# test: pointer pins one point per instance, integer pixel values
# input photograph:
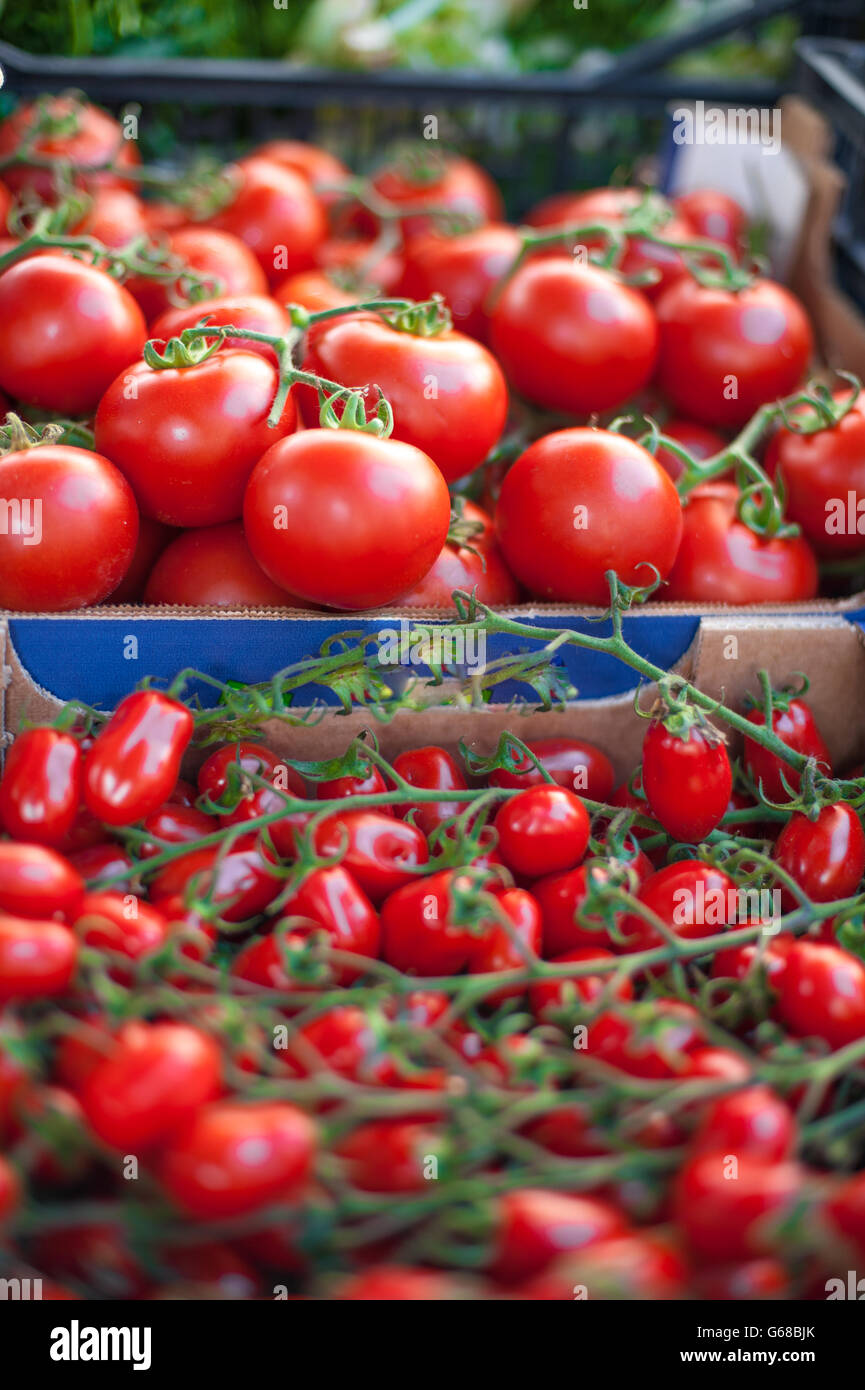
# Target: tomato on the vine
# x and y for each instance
(134, 761)
(687, 779)
(276, 214)
(543, 830)
(40, 790)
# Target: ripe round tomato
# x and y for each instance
(115, 217)
(336, 788)
(700, 442)
(433, 769)
(463, 269)
(37, 958)
(727, 1218)
(735, 962)
(66, 330)
(723, 353)
(821, 993)
(389, 1155)
(572, 763)
(560, 897)
(378, 850)
(153, 537)
(543, 830)
(654, 1043)
(794, 723)
(693, 899)
(714, 215)
(213, 567)
(318, 166)
(156, 1076)
(555, 996)
(313, 290)
(308, 540)
(753, 1121)
(40, 790)
(231, 1158)
(451, 182)
(502, 949)
(65, 504)
(642, 1266)
(276, 214)
(217, 257)
(254, 311)
(571, 337)
(826, 857)
(534, 1226)
(720, 560)
(580, 502)
(37, 882)
(358, 262)
(245, 757)
(188, 438)
(819, 473)
(687, 780)
(476, 567)
(133, 763)
(77, 133)
(448, 394)
(332, 899)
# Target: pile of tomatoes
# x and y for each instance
(195, 490)
(431, 1029)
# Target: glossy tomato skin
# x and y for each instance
(132, 766)
(156, 1076)
(37, 958)
(239, 881)
(213, 567)
(688, 781)
(83, 134)
(580, 502)
(500, 949)
(255, 311)
(818, 472)
(189, 438)
(398, 1284)
(572, 763)
(657, 1045)
(389, 1155)
(232, 1158)
(331, 898)
(825, 857)
(543, 830)
(66, 330)
(714, 215)
(313, 290)
(821, 993)
(244, 757)
(174, 825)
(555, 996)
(721, 561)
(534, 1226)
(753, 1121)
(723, 1219)
(693, 899)
(461, 186)
(433, 769)
(560, 897)
(379, 851)
(795, 725)
(115, 217)
(464, 269)
(341, 557)
(40, 790)
(82, 498)
(447, 392)
(222, 261)
(37, 882)
(570, 337)
(122, 926)
(760, 336)
(277, 215)
(475, 568)
(418, 933)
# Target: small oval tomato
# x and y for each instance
(121, 926)
(174, 825)
(572, 763)
(231, 1158)
(419, 935)
(336, 788)
(571, 337)
(68, 129)
(794, 723)
(37, 882)
(753, 1121)
(691, 897)
(36, 958)
(332, 899)
(543, 830)
(254, 311)
(560, 897)
(245, 759)
(821, 993)
(378, 851)
(580, 502)
(134, 761)
(40, 790)
(66, 331)
(213, 567)
(642, 1266)
(720, 560)
(189, 438)
(508, 948)
(759, 336)
(63, 503)
(533, 1226)
(157, 1075)
(276, 214)
(553, 996)
(462, 268)
(687, 779)
(222, 261)
(389, 1155)
(826, 857)
(239, 882)
(722, 1219)
(649, 1041)
(101, 859)
(304, 536)
(432, 769)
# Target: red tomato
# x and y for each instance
(553, 996)
(534, 1226)
(714, 215)
(448, 394)
(433, 769)
(373, 784)
(102, 859)
(476, 567)
(212, 567)
(498, 948)
(134, 762)
(276, 214)
(220, 259)
(821, 993)
(824, 481)
(342, 1040)
(398, 1284)
(736, 961)
(156, 1077)
(419, 936)
(643, 1266)
(688, 780)
(652, 1042)
(723, 353)
(560, 897)
(753, 1121)
(580, 502)
(66, 330)
(37, 882)
(734, 1217)
(721, 561)
(174, 825)
(332, 899)
(304, 536)
(10, 1190)
(36, 958)
(189, 437)
(121, 926)
(63, 503)
(115, 217)
(254, 311)
(794, 723)
(153, 537)
(826, 857)
(700, 442)
(691, 897)
(238, 882)
(67, 129)
(244, 758)
(313, 290)
(316, 165)
(40, 790)
(359, 263)
(232, 1158)
(454, 183)
(543, 830)
(572, 763)
(379, 851)
(846, 1209)
(464, 270)
(389, 1155)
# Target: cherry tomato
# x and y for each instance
(699, 441)
(641, 1266)
(373, 784)
(67, 129)
(693, 899)
(452, 183)
(543, 830)
(221, 260)
(134, 761)
(501, 948)
(572, 763)
(560, 897)
(40, 790)
(572, 338)
(688, 780)
(846, 1209)
(651, 1042)
(434, 769)
(238, 882)
(276, 214)
(188, 438)
(580, 502)
(726, 1219)
(101, 859)
(794, 723)
(174, 825)
(246, 759)
(821, 993)
(389, 1155)
(824, 481)
(332, 899)
(464, 269)
(554, 996)
(826, 857)
(232, 1158)
(156, 1077)
(37, 958)
(723, 353)
(254, 311)
(398, 1284)
(36, 881)
(307, 540)
(534, 1226)
(720, 560)
(121, 926)
(735, 962)
(753, 1121)
(419, 935)
(714, 215)
(212, 567)
(378, 851)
